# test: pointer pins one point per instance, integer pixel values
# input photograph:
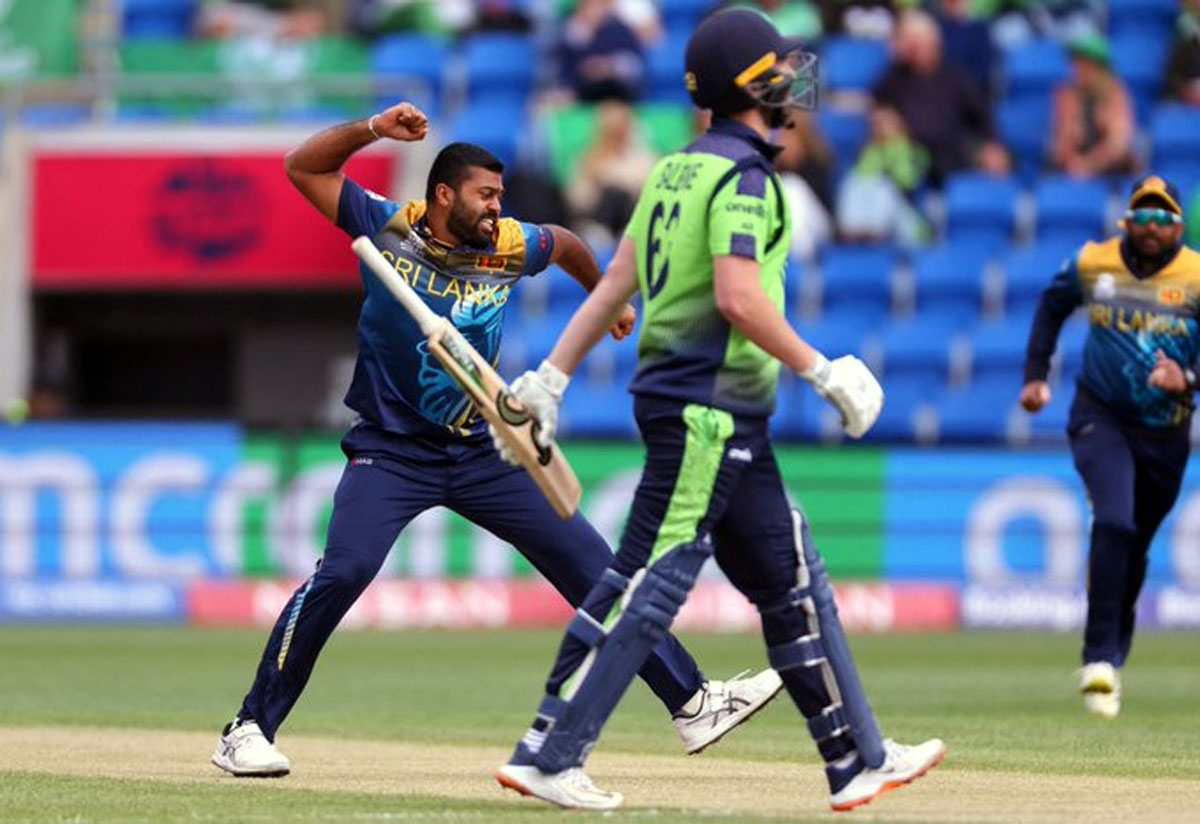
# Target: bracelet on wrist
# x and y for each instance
(371, 127)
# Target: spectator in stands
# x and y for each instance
(276, 19)
(601, 57)
(807, 155)
(874, 201)
(641, 16)
(793, 18)
(872, 19)
(500, 15)
(1092, 120)
(1182, 81)
(967, 40)
(605, 187)
(371, 18)
(1017, 21)
(942, 107)
(805, 165)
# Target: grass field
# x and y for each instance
(117, 724)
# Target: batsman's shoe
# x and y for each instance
(901, 765)
(570, 788)
(724, 705)
(1100, 683)
(245, 752)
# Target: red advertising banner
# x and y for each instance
(191, 220)
(491, 604)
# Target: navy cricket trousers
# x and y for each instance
(1133, 475)
(388, 481)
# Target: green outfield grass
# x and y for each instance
(1003, 702)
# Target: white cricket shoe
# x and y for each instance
(724, 705)
(1100, 683)
(901, 765)
(244, 751)
(570, 788)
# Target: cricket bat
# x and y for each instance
(470, 370)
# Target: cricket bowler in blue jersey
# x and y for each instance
(707, 249)
(419, 442)
(1132, 412)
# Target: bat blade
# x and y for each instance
(546, 465)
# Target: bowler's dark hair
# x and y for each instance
(453, 164)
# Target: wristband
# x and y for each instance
(553, 378)
(371, 127)
(818, 372)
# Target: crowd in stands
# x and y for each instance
(961, 146)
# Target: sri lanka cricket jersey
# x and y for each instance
(719, 196)
(397, 383)
(1130, 319)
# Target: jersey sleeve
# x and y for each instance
(739, 220)
(361, 211)
(1058, 301)
(539, 246)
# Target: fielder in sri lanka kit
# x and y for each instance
(419, 442)
(707, 247)
(1132, 411)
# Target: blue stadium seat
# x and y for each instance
(949, 278)
(682, 15)
(978, 412)
(851, 63)
(1152, 18)
(1071, 209)
(1034, 69)
(612, 362)
(591, 411)
(495, 125)
(54, 115)
(411, 56)
(917, 350)
(1028, 271)
(500, 66)
(1024, 125)
(157, 19)
(981, 204)
(1139, 59)
(846, 133)
(904, 402)
(797, 412)
(839, 333)
(1175, 136)
(664, 69)
(858, 278)
(998, 349)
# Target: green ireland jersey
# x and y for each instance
(719, 196)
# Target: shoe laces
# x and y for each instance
(720, 690)
(576, 777)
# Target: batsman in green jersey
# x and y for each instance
(707, 248)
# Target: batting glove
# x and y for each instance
(540, 393)
(848, 384)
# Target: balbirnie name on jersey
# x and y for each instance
(398, 384)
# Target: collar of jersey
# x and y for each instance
(733, 128)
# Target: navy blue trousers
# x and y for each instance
(1133, 475)
(741, 510)
(388, 481)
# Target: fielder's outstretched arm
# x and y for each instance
(315, 166)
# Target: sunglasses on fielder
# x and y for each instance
(1159, 217)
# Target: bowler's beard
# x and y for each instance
(465, 226)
